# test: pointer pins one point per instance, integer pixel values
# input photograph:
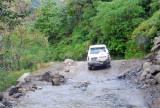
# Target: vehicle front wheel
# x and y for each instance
(107, 65)
(89, 68)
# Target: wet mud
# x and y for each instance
(98, 88)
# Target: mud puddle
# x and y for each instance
(86, 89)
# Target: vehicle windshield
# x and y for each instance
(97, 50)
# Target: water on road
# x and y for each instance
(98, 88)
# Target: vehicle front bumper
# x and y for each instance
(98, 63)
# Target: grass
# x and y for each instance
(42, 66)
(7, 79)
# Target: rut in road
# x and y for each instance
(98, 88)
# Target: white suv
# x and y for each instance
(98, 55)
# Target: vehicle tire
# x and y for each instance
(109, 65)
(105, 65)
(89, 68)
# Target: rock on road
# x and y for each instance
(97, 88)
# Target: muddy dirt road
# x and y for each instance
(98, 88)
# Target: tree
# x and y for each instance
(115, 21)
(49, 20)
(11, 16)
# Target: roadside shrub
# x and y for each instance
(25, 49)
(65, 50)
(142, 37)
(9, 78)
(37, 50)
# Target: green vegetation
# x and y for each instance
(21, 48)
(8, 78)
(110, 22)
(142, 37)
(115, 22)
(56, 32)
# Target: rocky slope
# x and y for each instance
(147, 76)
(151, 75)
(151, 69)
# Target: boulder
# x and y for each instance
(155, 48)
(157, 78)
(20, 90)
(70, 62)
(13, 90)
(157, 57)
(150, 81)
(149, 56)
(67, 70)
(39, 88)
(146, 65)
(7, 103)
(21, 80)
(34, 86)
(157, 60)
(55, 81)
(62, 80)
(17, 95)
(27, 80)
(56, 78)
(60, 77)
(145, 86)
(47, 76)
(2, 105)
(155, 103)
(31, 89)
(148, 76)
(56, 75)
(126, 74)
(157, 40)
(144, 74)
(155, 69)
(158, 52)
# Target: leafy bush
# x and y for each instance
(114, 22)
(36, 51)
(9, 78)
(142, 37)
(67, 49)
(24, 49)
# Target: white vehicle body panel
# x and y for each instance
(98, 55)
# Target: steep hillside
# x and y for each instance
(142, 37)
(116, 23)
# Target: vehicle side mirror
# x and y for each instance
(87, 51)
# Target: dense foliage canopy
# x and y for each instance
(109, 22)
